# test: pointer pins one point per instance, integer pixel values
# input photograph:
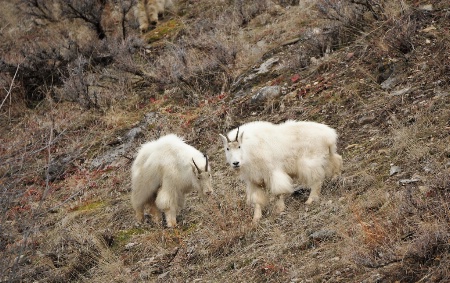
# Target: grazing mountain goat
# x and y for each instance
(270, 156)
(163, 172)
(147, 12)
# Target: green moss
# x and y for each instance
(163, 30)
(91, 206)
(189, 229)
(125, 235)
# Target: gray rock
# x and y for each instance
(389, 83)
(266, 66)
(427, 7)
(265, 93)
(322, 235)
(124, 145)
(400, 92)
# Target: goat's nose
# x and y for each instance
(236, 163)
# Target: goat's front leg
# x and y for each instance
(171, 217)
(257, 214)
(166, 201)
(257, 197)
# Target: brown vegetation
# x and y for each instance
(78, 98)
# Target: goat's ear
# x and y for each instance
(224, 140)
(240, 137)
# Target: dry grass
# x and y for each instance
(64, 219)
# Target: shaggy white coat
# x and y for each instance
(163, 173)
(147, 12)
(270, 156)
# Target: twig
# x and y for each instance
(10, 87)
(47, 173)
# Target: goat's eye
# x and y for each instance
(239, 146)
(228, 148)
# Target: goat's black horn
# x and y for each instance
(206, 166)
(198, 169)
(237, 133)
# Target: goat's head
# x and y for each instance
(233, 150)
(203, 182)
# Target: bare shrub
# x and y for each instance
(399, 35)
(57, 52)
(348, 13)
(198, 65)
(200, 59)
(99, 15)
(289, 2)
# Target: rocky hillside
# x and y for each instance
(82, 89)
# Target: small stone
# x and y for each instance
(427, 7)
(322, 235)
(394, 170)
(129, 246)
(163, 275)
(408, 181)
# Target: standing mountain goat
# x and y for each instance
(270, 156)
(147, 12)
(163, 172)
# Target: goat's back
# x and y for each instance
(281, 141)
(169, 152)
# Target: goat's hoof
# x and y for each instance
(280, 209)
(255, 221)
(311, 200)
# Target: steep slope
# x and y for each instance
(379, 77)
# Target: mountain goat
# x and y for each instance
(163, 172)
(270, 156)
(147, 12)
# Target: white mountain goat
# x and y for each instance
(147, 12)
(270, 156)
(163, 172)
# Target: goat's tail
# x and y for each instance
(335, 161)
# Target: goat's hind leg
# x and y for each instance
(280, 206)
(312, 174)
(138, 206)
(141, 14)
(139, 213)
(315, 193)
(154, 212)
